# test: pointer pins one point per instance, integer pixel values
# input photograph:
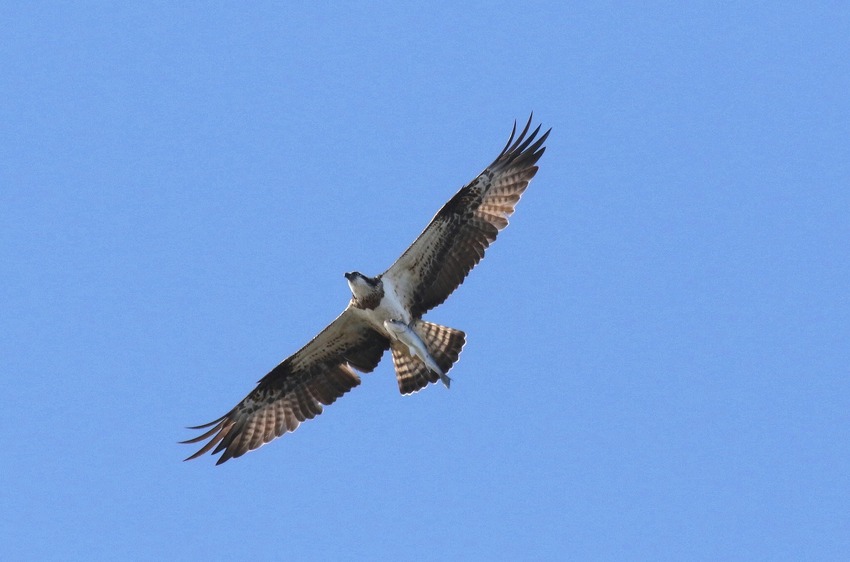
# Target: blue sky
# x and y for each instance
(658, 346)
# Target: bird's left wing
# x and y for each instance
(455, 240)
(296, 390)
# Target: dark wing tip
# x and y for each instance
(204, 426)
(221, 427)
(522, 151)
(225, 438)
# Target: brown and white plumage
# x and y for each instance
(295, 390)
(454, 241)
(446, 344)
(422, 278)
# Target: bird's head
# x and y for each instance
(361, 285)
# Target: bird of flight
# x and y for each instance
(385, 312)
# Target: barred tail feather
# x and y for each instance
(444, 345)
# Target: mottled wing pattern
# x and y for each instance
(455, 240)
(296, 390)
(443, 343)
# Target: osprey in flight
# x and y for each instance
(385, 312)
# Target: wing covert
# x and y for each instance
(296, 390)
(455, 240)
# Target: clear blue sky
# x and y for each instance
(658, 346)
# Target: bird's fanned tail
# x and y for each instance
(444, 345)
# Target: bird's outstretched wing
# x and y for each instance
(455, 240)
(296, 390)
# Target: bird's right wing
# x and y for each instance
(455, 240)
(296, 390)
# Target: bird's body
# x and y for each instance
(385, 312)
(377, 299)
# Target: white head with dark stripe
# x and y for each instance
(367, 291)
